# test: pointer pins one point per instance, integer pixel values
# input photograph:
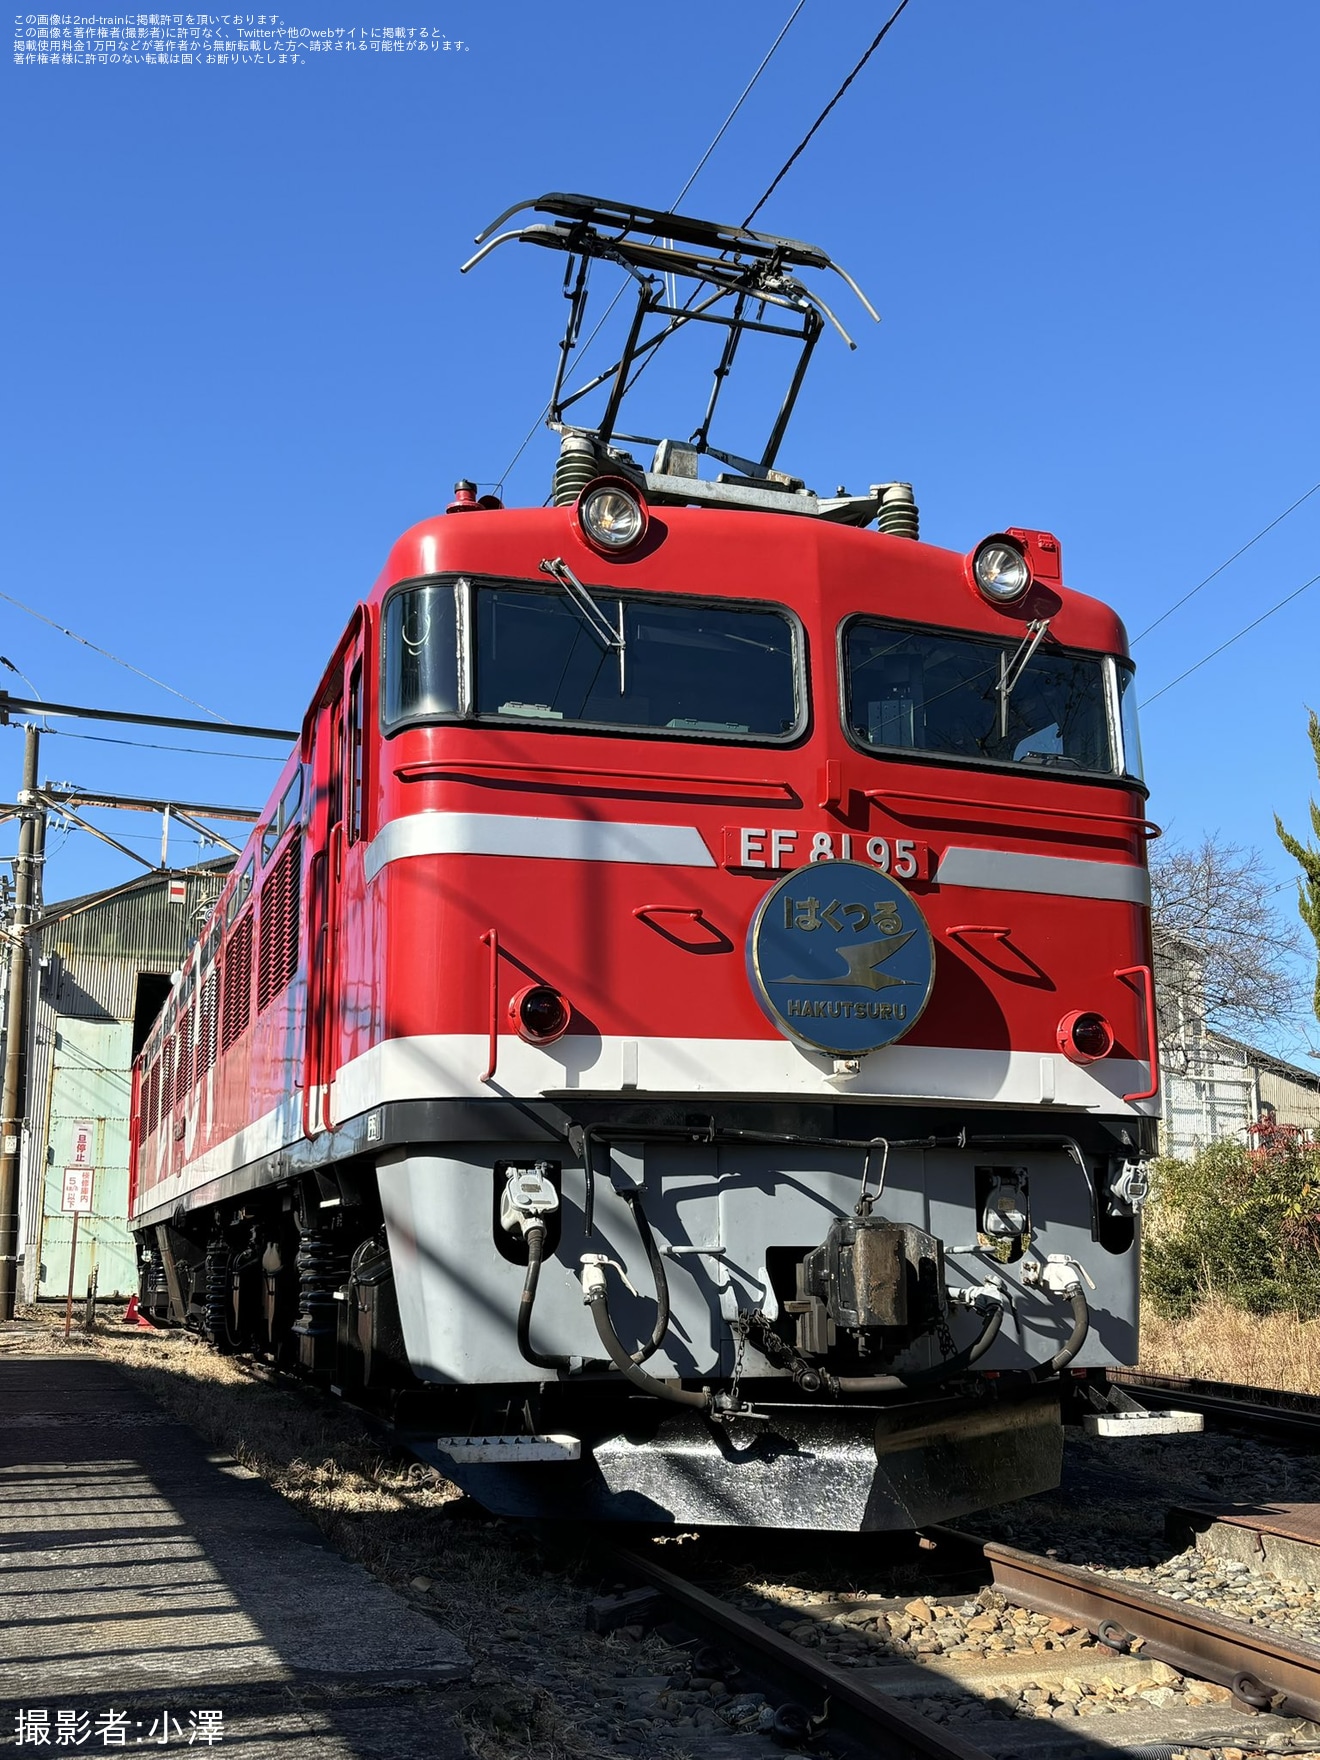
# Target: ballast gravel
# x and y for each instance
(1231, 1588)
(1108, 1516)
(1069, 1674)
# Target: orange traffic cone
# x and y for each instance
(133, 1316)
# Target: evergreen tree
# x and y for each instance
(1308, 887)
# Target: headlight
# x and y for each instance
(539, 1014)
(611, 516)
(1000, 571)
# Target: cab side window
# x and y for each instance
(354, 756)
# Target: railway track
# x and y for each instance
(1265, 1411)
(820, 1696)
(1264, 1670)
(1268, 1698)
(886, 1704)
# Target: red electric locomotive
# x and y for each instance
(685, 1021)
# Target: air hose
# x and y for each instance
(534, 1235)
(655, 1260)
(595, 1296)
(1076, 1338)
(931, 1377)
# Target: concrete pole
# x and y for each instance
(30, 841)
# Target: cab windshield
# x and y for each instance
(688, 668)
(968, 697)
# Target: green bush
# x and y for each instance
(1242, 1224)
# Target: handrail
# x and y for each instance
(419, 770)
(491, 939)
(1147, 977)
(1140, 827)
(334, 873)
(311, 1053)
(684, 934)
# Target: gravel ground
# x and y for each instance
(1228, 1587)
(1108, 1515)
(545, 1687)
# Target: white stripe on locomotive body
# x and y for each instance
(509, 834)
(682, 846)
(446, 1066)
(1004, 870)
(275, 1130)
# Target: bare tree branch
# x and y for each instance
(1224, 954)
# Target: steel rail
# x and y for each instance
(846, 1704)
(1294, 1416)
(1264, 1669)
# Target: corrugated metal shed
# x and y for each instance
(1215, 1087)
(92, 954)
(1294, 1101)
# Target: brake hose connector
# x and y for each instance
(1062, 1276)
(593, 1274)
(978, 1295)
(528, 1197)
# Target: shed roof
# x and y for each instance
(95, 946)
(1279, 1066)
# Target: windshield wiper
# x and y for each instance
(1011, 670)
(611, 639)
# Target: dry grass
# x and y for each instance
(1221, 1343)
(512, 1608)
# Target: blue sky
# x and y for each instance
(241, 359)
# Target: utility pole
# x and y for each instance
(31, 843)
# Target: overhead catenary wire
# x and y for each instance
(150, 838)
(745, 94)
(802, 145)
(692, 178)
(1246, 630)
(106, 654)
(151, 745)
(1179, 603)
(779, 176)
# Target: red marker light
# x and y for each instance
(1085, 1036)
(539, 1014)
